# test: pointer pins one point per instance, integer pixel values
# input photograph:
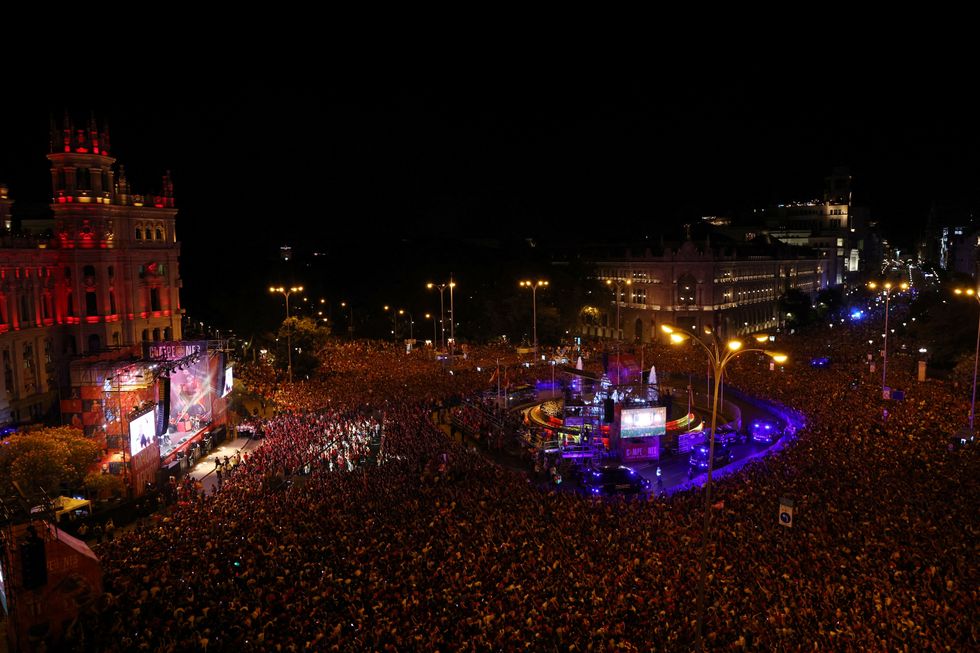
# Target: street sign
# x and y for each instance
(786, 512)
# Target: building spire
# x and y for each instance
(168, 191)
(93, 133)
(53, 135)
(66, 132)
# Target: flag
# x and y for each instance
(494, 375)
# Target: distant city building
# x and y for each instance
(108, 277)
(731, 290)
(833, 226)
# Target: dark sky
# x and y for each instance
(347, 161)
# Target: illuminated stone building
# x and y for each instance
(734, 290)
(833, 226)
(107, 277)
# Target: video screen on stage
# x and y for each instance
(142, 431)
(229, 382)
(190, 398)
(643, 422)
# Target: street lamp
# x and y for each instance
(973, 400)
(434, 338)
(442, 311)
(394, 321)
(618, 284)
(534, 285)
(718, 357)
(350, 319)
(886, 290)
(286, 292)
(411, 322)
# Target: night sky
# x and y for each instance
(402, 178)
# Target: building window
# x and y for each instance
(83, 179)
(148, 234)
(89, 271)
(154, 299)
(159, 234)
(91, 305)
(156, 335)
(112, 302)
(94, 342)
(139, 234)
(146, 335)
(25, 314)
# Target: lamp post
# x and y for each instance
(286, 292)
(973, 400)
(534, 285)
(442, 310)
(433, 318)
(394, 321)
(618, 284)
(350, 319)
(411, 322)
(452, 314)
(887, 287)
(718, 358)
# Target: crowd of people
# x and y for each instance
(432, 546)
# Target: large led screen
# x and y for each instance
(142, 431)
(190, 397)
(643, 422)
(229, 382)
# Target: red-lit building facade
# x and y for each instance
(107, 278)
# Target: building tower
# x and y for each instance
(119, 280)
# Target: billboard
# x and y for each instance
(142, 432)
(643, 422)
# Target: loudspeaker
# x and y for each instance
(608, 411)
(33, 563)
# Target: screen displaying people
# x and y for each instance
(643, 422)
(190, 398)
(142, 431)
(229, 382)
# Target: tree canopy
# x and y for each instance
(47, 458)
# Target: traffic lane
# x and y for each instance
(674, 469)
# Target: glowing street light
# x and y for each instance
(886, 290)
(442, 313)
(970, 292)
(433, 317)
(286, 292)
(534, 305)
(718, 358)
(618, 284)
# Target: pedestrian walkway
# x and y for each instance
(204, 470)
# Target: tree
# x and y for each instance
(104, 486)
(795, 304)
(308, 340)
(47, 458)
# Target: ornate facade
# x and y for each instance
(732, 291)
(107, 278)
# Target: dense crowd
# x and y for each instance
(434, 547)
